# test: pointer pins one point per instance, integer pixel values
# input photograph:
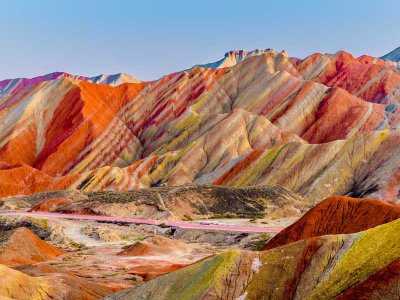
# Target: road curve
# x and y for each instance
(179, 224)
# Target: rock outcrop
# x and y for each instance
(182, 202)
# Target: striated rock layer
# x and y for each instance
(327, 124)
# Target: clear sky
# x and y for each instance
(150, 38)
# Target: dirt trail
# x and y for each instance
(73, 231)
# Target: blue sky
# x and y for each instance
(151, 38)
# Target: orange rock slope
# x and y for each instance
(22, 247)
(323, 125)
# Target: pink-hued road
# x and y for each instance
(180, 224)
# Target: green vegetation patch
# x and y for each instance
(227, 215)
(40, 223)
(258, 243)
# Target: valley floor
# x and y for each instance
(94, 244)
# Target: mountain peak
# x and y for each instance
(233, 57)
(243, 53)
(114, 79)
(393, 56)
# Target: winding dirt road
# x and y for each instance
(179, 224)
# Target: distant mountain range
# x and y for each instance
(9, 85)
(393, 56)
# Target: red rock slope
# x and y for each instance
(337, 215)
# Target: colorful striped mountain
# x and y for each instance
(327, 124)
(258, 135)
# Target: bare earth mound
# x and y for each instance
(17, 285)
(155, 245)
(167, 255)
